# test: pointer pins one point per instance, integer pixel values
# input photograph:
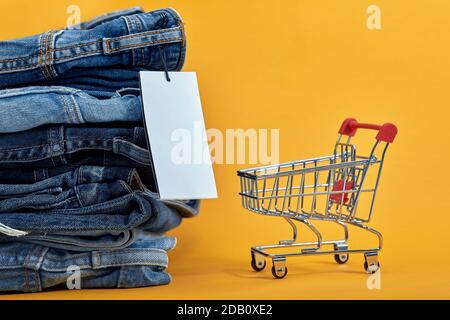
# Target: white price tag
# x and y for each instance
(177, 136)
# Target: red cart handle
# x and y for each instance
(386, 132)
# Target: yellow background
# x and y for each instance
(303, 66)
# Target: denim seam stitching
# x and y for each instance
(98, 206)
(52, 143)
(78, 196)
(125, 186)
(122, 252)
(48, 55)
(130, 177)
(145, 44)
(130, 30)
(146, 33)
(41, 58)
(134, 52)
(45, 54)
(138, 25)
(76, 109)
(84, 44)
(152, 32)
(51, 53)
(79, 173)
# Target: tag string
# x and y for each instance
(163, 58)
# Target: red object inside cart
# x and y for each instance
(339, 186)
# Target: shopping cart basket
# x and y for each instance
(326, 188)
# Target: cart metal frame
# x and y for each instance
(324, 188)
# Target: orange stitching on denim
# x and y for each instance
(47, 74)
(100, 51)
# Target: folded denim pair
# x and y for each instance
(103, 55)
(29, 267)
(86, 209)
(31, 107)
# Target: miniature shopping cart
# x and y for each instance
(339, 188)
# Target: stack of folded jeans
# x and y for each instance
(77, 188)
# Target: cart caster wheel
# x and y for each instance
(341, 258)
(279, 269)
(373, 268)
(279, 274)
(258, 265)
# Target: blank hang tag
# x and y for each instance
(176, 136)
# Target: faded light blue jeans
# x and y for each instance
(28, 108)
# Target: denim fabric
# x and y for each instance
(76, 197)
(106, 56)
(135, 210)
(187, 208)
(101, 158)
(55, 146)
(28, 267)
(27, 108)
(80, 176)
(81, 241)
(66, 148)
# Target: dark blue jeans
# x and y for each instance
(37, 154)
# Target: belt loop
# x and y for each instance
(131, 151)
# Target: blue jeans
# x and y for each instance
(27, 108)
(26, 267)
(56, 146)
(104, 56)
(48, 152)
(73, 197)
(133, 210)
(80, 176)
(82, 188)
